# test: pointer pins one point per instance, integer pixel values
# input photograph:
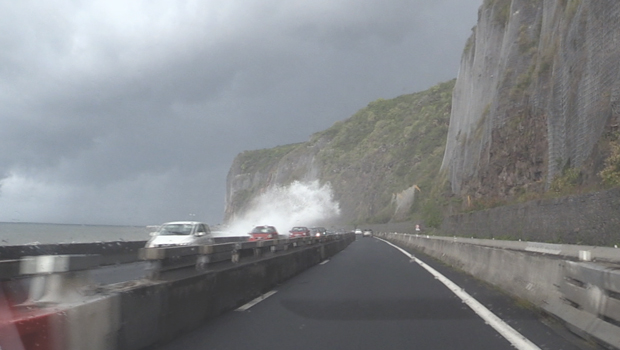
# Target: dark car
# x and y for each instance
(263, 232)
(299, 231)
(318, 231)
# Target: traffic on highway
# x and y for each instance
(371, 296)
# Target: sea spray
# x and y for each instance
(298, 204)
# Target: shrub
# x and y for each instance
(611, 173)
(432, 214)
(564, 183)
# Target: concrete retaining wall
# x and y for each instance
(586, 219)
(590, 219)
(537, 278)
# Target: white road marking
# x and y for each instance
(256, 301)
(515, 338)
(324, 262)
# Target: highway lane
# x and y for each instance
(372, 296)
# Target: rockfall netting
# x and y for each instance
(556, 58)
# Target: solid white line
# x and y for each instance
(515, 338)
(256, 301)
(324, 262)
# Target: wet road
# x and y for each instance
(373, 296)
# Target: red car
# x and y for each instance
(299, 231)
(263, 232)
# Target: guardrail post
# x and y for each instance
(58, 277)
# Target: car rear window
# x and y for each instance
(263, 230)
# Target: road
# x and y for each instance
(373, 296)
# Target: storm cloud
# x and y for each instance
(131, 112)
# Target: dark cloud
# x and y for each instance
(131, 113)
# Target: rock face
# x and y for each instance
(538, 85)
(372, 160)
(536, 96)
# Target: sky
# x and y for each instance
(128, 112)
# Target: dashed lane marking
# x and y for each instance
(257, 300)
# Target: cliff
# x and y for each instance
(537, 90)
(373, 160)
(534, 110)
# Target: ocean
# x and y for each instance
(12, 233)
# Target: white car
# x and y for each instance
(358, 231)
(180, 233)
(367, 233)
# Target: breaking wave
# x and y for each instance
(298, 204)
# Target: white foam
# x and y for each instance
(298, 204)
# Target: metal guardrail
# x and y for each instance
(54, 278)
(45, 300)
(44, 279)
(590, 301)
(568, 251)
(172, 258)
(583, 289)
(112, 253)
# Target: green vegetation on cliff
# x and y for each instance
(383, 162)
(610, 175)
(386, 148)
(260, 160)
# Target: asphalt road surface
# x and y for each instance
(373, 296)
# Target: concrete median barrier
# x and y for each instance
(137, 314)
(161, 311)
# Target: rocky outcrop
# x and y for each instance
(538, 86)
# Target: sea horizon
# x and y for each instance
(21, 233)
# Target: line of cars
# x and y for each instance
(365, 232)
(270, 232)
(186, 233)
